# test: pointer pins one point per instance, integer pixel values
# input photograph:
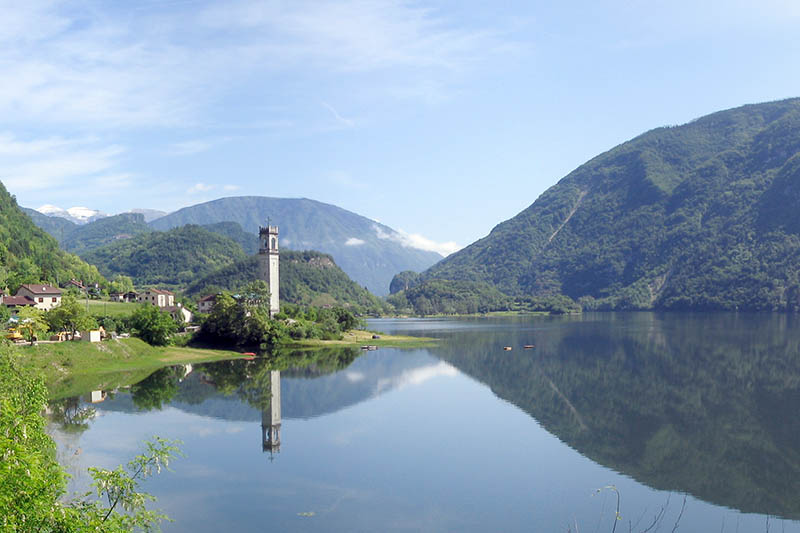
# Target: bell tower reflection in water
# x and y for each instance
(271, 416)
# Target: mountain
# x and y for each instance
(95, 234)
(234, 231)
(307, 278)
(367, 251)
(58, 227)
(172, 258)
(698, 216)
(78, 215)
(29, 255)
(149, 214)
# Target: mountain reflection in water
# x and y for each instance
(697, 403)
(398, 439)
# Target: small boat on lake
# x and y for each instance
(528, 346)
(507, 348)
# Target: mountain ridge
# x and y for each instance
(696, 216)
(368, 251)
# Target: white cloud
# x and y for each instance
(231, 187)
(199, 188)
(352, 241)
(190, 147)
(415, 240)
(55, 163)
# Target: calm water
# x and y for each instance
(465, 436)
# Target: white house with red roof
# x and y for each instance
(44, 297)
(157, 297)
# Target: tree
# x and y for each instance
(32, 324)
(70, 316)
(32, 484)
(153, 326)
(121, 284)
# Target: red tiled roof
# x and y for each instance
(17, 300)
(209, 298)
(160, 291)
(42, 289)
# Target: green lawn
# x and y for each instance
(103, 307)
(72, 368)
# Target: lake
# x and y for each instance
(691, 418)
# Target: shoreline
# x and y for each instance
(72, 368)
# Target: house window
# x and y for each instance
(54, 299)
(41, 300)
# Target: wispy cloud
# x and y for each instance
(230, 188)
(415, 240)
(353, 241)
(346, 122)
(55, 163)
(200, 188)
(192, 147)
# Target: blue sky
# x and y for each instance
(438, 119)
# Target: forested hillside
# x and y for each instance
(29, 255)
(307, 278)
(699, 216)
(173, 258)
(369, 252)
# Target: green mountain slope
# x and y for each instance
(29, 255)
(100, 232)
(173, 258)
(58, 227)
(700, 216)
(307, 278)
(235, 232)
(367, 251)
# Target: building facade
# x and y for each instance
(156, 297)
(45, 297)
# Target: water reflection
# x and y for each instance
(700, 404)
(704, 404)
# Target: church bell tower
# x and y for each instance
(268, 264)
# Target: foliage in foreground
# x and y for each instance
(32, 483)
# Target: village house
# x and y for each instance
(157, 297)
(206, 303)
(179, 313)
(124, 297)
(45, 297)
(15, 302)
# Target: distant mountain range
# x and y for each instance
(700, 216)
(369, 252)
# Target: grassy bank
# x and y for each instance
(72, 368)
(359, 337)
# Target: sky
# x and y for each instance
(439, 119)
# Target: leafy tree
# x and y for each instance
(32, 324)
(70, 316)
(120, 284)
(153, 326)
(32, 484)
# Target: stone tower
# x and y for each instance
(268, 264)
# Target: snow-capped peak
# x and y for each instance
(79, 215)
